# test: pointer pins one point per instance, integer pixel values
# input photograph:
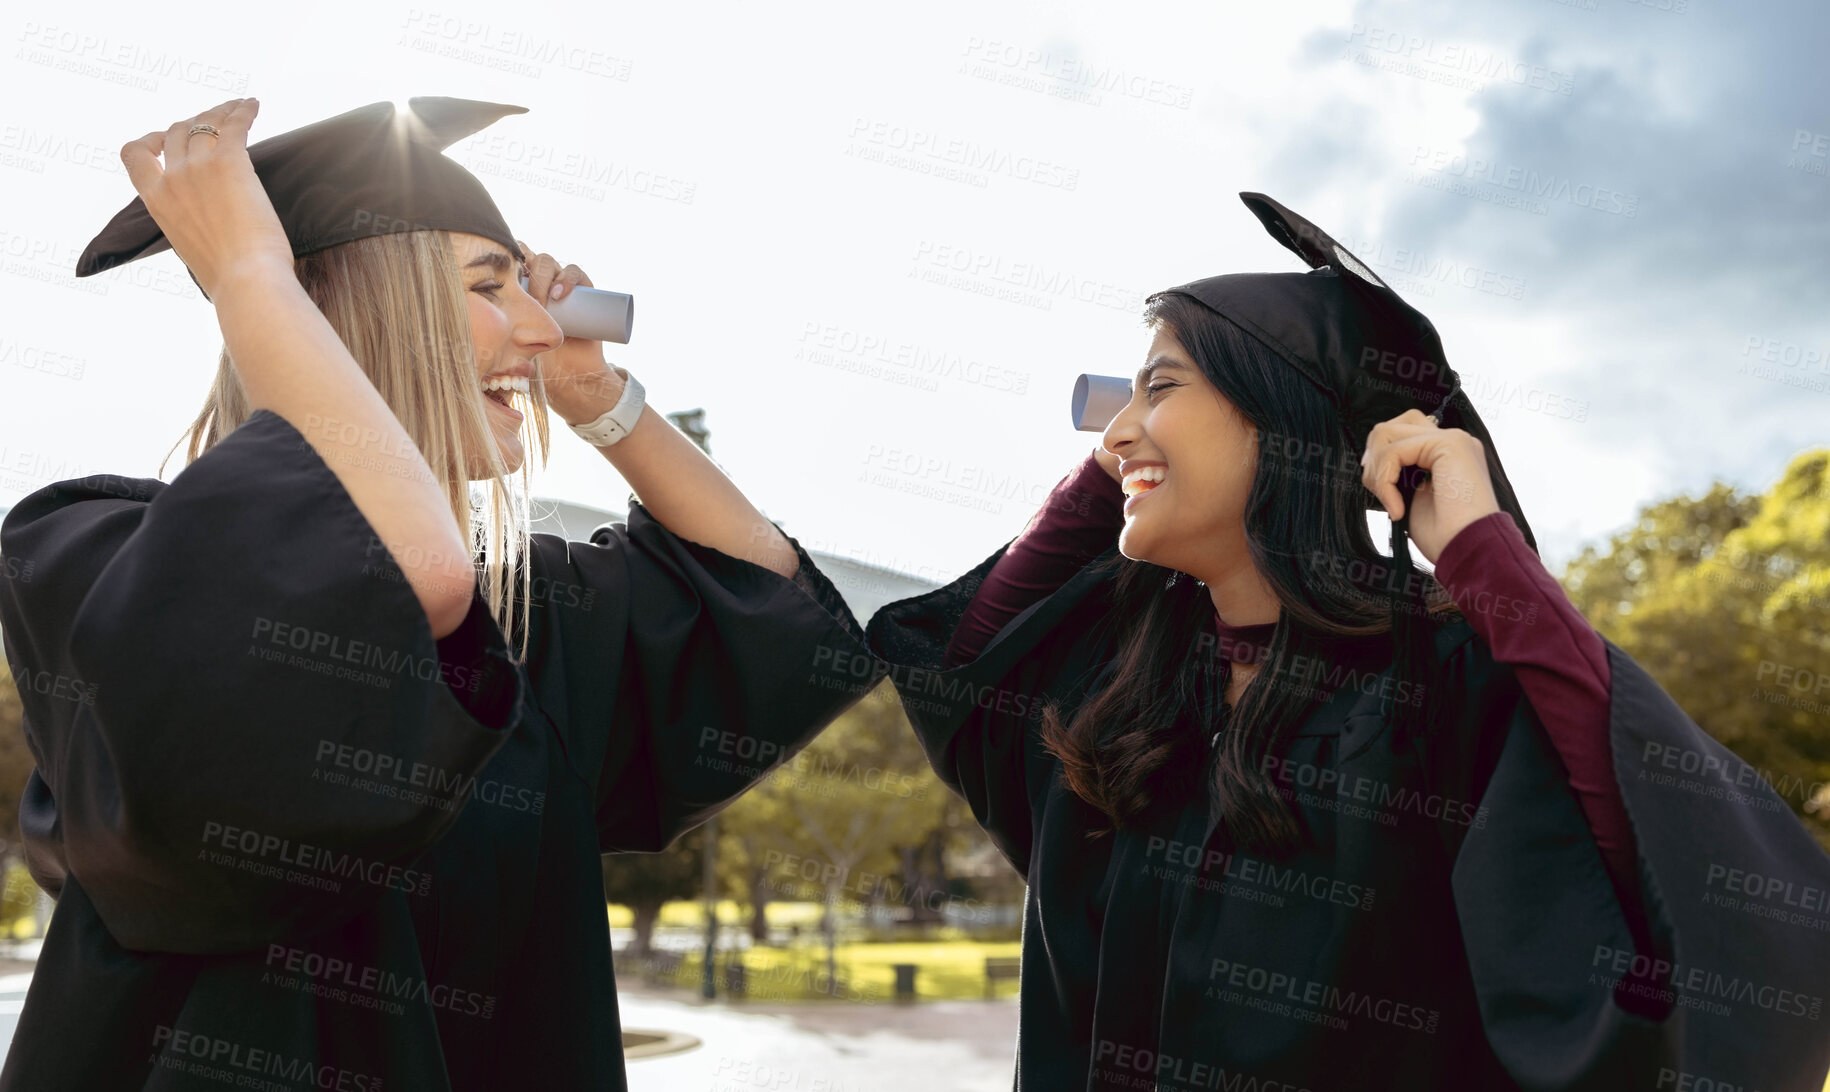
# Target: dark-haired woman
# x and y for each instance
(1263, 850)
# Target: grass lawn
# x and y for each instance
(688, 915)
(946, 969)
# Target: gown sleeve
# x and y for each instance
(1726, 987)
(976, 701)
(1081, 517)
(200, 660)
(1518, 608)
(690, 673)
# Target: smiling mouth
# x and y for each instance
(1143, 480)
(502, 390)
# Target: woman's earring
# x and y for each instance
(1172, 579)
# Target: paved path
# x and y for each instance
(12, 998)
(961, 1046)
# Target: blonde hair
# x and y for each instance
(397, 301)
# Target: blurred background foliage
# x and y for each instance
(1725, 600)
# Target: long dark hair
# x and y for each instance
(1141, 740)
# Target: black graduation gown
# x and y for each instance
(1448, 924)
(291, 846)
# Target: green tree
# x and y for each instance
(755, 837)
(1723, 600)
(645, 882)
(832, 822)
(857, 816)
(15, 768)
(15, 765)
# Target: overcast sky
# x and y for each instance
(877, 253)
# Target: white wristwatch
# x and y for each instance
(621, 418)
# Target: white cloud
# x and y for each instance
(1104, 184)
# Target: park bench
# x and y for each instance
(999, 967)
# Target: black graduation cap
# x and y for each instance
(1374, 356)
(375, 170)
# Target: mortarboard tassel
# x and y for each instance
(1413, 640)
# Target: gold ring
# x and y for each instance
(202, 127)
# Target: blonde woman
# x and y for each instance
(323, 800)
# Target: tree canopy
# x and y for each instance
(1725, 601)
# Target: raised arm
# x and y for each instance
(1081, 517)
(212, 207)
(1520, 610)
(975, 703)
(678, 483)
(689, 495)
